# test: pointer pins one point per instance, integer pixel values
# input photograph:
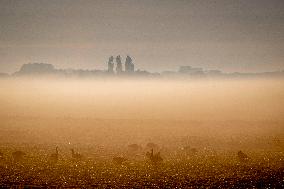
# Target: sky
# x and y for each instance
(229, 35)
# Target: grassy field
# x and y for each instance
(100, 119)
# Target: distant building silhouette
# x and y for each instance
(44, 69)
(214, 72)
(190, 70)
(37, 68)
(129, 66)
(118, 65)
(110, 65)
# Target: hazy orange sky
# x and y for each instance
(230, 35)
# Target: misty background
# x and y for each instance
(109, 111)
(229, 35)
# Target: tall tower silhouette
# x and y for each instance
(110, 65)
(118, 65)
(129, 66)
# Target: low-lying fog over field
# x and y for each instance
(101, 118)
(140, 110)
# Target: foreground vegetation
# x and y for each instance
(179, 168)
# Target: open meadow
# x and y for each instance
(151, 133)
